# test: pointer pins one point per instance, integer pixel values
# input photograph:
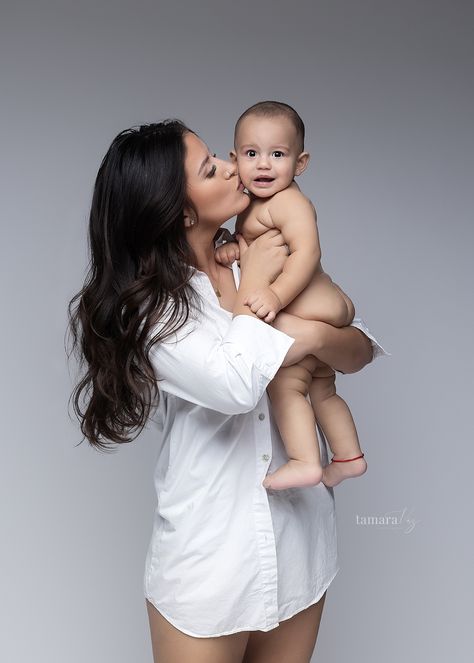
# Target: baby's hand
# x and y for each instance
(264, 303)
(227, 253)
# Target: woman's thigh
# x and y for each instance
(171, 645)
(292, 641)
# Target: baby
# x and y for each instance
(269, 150)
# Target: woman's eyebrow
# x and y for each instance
(203, 163)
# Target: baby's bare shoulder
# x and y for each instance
(290, 199)
(291, 194)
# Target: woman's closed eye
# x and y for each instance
(212, 172)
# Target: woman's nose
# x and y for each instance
(230, 169)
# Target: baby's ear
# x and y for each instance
(302, 162)
(233, 156)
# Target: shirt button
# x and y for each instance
(266, 457)
(261, 416)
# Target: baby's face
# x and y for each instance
(266, 150)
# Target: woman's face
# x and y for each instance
(213, 186)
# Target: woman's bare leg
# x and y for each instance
(173, 646)
(293, 641)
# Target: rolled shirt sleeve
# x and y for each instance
(228, 373)
(377, 349)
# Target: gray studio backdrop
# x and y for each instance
(385, 89)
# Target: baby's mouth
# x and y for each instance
(263, 182)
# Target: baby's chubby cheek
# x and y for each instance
(244, 175)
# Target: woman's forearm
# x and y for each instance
(345, 349)
(246, 288)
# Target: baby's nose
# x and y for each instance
(263, 161)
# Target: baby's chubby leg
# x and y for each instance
(335, 418)
(323, 300)
(295, 419)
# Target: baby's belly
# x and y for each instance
(323, 300)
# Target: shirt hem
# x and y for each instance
(174, 623)
(314, 599)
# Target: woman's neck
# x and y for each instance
(202, 244)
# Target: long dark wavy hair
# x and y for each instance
(139, 263)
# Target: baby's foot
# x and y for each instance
(294, 474)
(334, 473)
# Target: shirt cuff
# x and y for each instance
(377, 349)
(266, 346)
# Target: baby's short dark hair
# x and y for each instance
(274, 109)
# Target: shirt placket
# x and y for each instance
(263, 521)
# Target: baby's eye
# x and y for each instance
(250, 153)
(278, 153)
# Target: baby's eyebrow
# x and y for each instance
(251, 145)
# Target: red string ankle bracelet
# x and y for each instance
(346, 460)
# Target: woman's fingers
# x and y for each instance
(272, 232)
(273, 236)
(263, 260)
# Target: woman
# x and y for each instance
(233, 572)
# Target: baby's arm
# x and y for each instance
(295, 217)
(226, 247)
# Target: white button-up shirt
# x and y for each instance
(225, 554)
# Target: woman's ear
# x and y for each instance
(302, 162)
(189, 217)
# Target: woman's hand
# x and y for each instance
(260, 264)
(263, 260)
